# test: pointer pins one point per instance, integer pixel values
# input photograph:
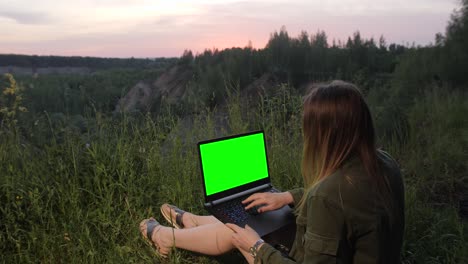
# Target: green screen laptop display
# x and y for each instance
(233, 162)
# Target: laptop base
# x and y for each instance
(264, 223)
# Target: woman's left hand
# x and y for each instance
(243, 238)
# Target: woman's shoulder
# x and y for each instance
(391, 169)
(330, 188)
(351, 185)
(387, 160)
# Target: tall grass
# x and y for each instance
(80, 199)
(434, 160)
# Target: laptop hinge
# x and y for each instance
(237, 195)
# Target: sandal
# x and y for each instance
(151, 224)
(179, 213)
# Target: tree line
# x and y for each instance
(35, 61)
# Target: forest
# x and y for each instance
(78, 172)
(76, 61)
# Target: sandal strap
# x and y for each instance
(179, 213)
(150, 225)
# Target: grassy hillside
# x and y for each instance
(80, 198)
(76, 177)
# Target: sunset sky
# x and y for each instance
(154, 28)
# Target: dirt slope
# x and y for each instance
(170, 86)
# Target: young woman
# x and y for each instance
(350, 210)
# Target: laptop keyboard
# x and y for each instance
(233, 211)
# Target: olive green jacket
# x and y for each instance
(343, 221)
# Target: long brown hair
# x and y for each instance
(337, 124)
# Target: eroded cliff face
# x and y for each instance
(173, 85)
(138, 97)
(170, 86)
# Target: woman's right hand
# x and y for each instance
(268, 201)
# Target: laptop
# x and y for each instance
(232, 169)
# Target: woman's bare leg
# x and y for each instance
(192, 220)
(209, 239)
(199, 220)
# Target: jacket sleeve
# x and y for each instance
(297, 194)
(325, 223)
(268, 254)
